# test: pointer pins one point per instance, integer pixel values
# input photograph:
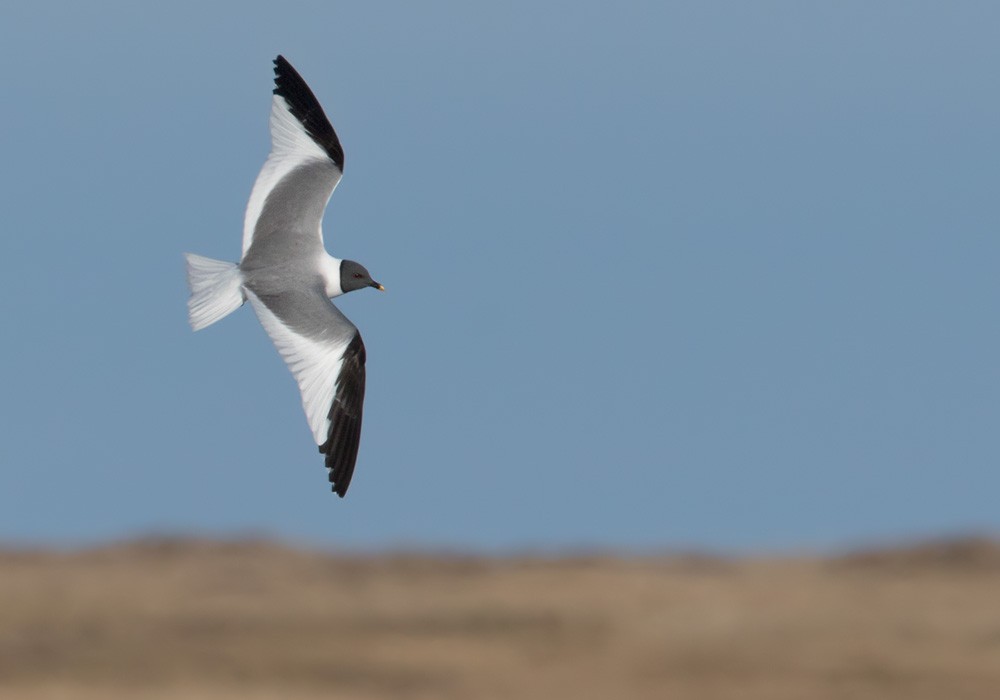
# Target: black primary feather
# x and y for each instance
(344, 437)
(306, 108)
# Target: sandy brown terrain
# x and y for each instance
(203, 620)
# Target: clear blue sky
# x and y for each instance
(718, 275)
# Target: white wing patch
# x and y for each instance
(291, 146)
(315, 366)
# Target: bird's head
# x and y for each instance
(354, 276)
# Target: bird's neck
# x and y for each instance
(330, 269)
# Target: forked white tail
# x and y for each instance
(216, 290)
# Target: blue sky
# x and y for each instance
(660, 275)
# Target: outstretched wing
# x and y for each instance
(305, 148)
(326, 355)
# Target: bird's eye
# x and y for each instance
(358, 275)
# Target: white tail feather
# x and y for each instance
(216, 290)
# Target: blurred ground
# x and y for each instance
(209, 620)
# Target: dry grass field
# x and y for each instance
(219, 621)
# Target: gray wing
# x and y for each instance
(326, 355)
(301, 172)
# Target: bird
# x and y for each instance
(289, 278)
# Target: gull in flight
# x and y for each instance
(289, 278)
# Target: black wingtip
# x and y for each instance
(344, 437)
(304, 106)
(337, 485)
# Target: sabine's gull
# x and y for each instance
(289, 278)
